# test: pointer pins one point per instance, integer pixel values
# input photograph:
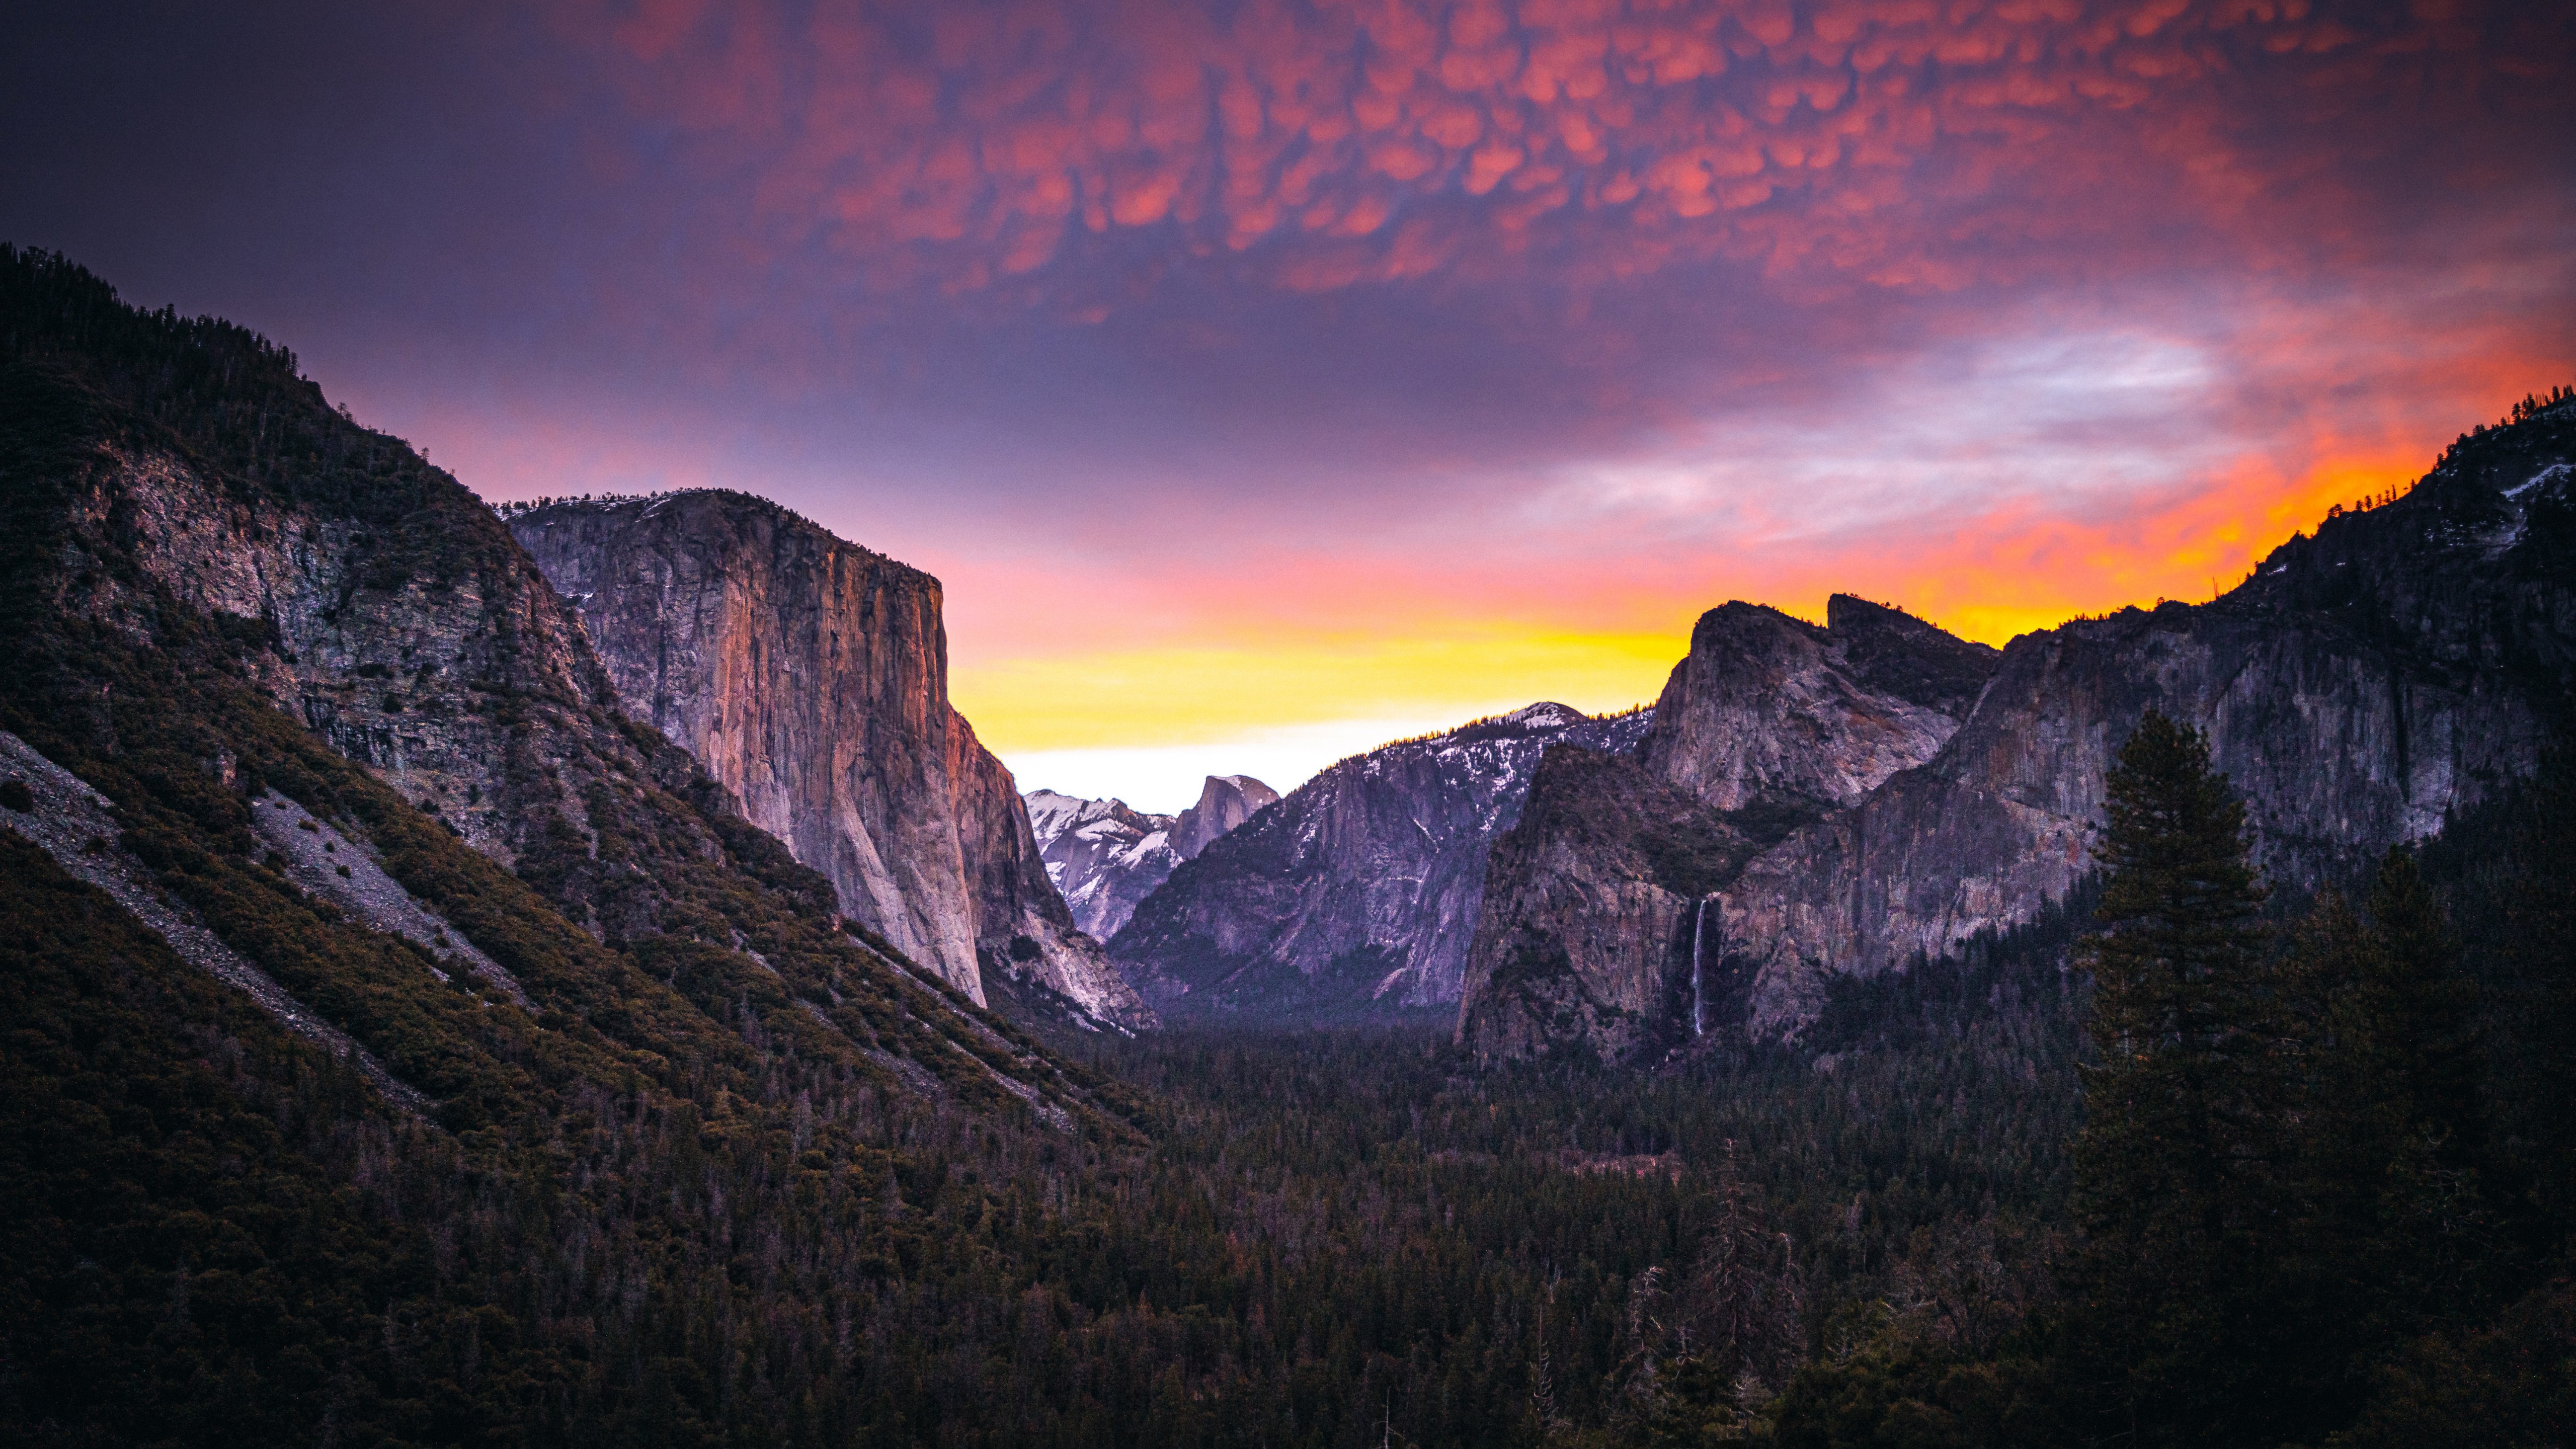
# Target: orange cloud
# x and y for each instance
(1718, 246)
(925, 150)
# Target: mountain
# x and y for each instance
(1768, 709)
(1591, 927)
(809, 677)
(1106, 857)
(1225, 801)
(372, 978)
(243, 623)
(2364, 685)
(402, 1043)
(1359, 889)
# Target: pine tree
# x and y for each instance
(2410, 1029)
(2390, 1124)
(2413, 1019)
(2324, 1279)
(2177, 1163)
(2541, 907)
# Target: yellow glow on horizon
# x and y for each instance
(1199, 694)
(1989, 586)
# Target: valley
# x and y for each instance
(567, 973)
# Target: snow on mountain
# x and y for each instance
(1360, 889)
(1106, 856)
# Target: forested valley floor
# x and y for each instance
(1327, 1238)
(1323, 1238)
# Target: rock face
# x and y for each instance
(1225, 802)
(1593, 926)
(1103, 856)
(337, 707)
(422, 644)
(810, 677)
(1767, 707)
(2363, 684)
(1360, 889)
(2359, 687)
(1106, 857)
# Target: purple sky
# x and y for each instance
(1263, 379)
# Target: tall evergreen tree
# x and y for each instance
(2176, 1166)
(2412, 1029)
(2541, 908)
(2413, 1019)
(2390, 1124)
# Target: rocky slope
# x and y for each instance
(1106, 857)
(217, 587)
(1360, 889)
(1593, 927)
(2360, 687)
(809, 677)
(373, 984)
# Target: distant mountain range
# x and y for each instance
(1359, 890)
(1808, 802)
(1105, 857)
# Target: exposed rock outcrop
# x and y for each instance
(76, 826)
(1767, 707)
(2358, 688)
(809, 677)
(427, 647)
(1593, 926)
(2361, 686)
(1360, 889)
(1225, 802)
(1106, 857)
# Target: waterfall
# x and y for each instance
(1699, 932)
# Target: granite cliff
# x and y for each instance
(1360, 889)
(809, 677)
(1106, 857)
(2361, 686)
(1225, 802)
(1583, 900)
(364, 768)
(1767, 708)
(1592, 926)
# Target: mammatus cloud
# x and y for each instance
(1300, 362)
(1907, 144)
(1557, 322)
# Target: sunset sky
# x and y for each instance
(1266, 380)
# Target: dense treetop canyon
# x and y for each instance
(566, 972)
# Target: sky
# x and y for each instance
(1266, 380)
